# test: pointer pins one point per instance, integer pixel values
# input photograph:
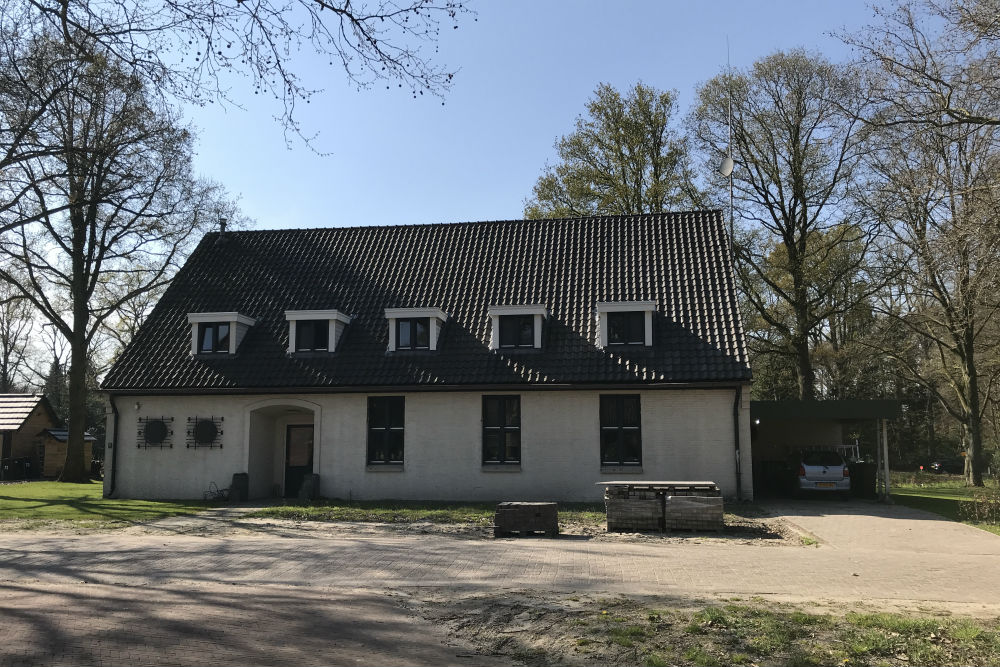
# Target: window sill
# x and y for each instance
(501, 467)
(384, 467)
(618, 470)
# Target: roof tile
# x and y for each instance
(680, 260)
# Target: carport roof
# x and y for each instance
(848, 410)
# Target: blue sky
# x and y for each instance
(525, 72)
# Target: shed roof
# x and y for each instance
(16, 408)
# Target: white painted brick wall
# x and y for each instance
(686, 435)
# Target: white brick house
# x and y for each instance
(519, 360)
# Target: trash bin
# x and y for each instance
(239, 490)
(863, 479)
(310, 487)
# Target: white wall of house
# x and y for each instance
(686, 435)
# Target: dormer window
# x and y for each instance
(218, 333)
(413, 333)
(627, 328)
(312, 336)
(517, 331)
(315, 330)
(516, 327)
(213, 337)
(621, 323)
(414, 328)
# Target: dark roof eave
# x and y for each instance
(381, 389)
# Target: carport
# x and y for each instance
(780, 430)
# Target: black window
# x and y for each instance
(385, 429)
(413, 333)
(501, 429)
(312, 335)
(213, 337)
(621, 438)
(517, 331)
(628, 328)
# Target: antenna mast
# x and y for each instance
(729, 83)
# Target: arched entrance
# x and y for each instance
(282, 446)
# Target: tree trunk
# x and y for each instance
(75, 469)
(975, 454)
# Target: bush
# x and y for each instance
(983, 508)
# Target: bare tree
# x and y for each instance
(941, 203)
(929, 53)
(199, 50)
(107, 217)
(16, 327)
(797, 141)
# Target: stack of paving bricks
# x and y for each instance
(633, 510)
(663, 506)
(693, 513)
(523, 518)
(693, 507)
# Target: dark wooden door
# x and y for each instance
(298, 457)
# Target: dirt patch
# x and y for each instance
(739, 529)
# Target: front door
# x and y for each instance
(298, 458)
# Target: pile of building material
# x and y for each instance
(634, 506)
(524, 518)
(633, 510)
(693, 512)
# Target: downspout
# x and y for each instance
(737, 397)
(114, 448)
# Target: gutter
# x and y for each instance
(114, 448)
(737, 396)
(415, 388)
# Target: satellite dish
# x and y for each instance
(726, 168)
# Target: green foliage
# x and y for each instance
(623, 158)
(789, 123)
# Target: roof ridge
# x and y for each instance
(459, 223)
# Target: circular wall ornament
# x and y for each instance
(155, 432)
(205, 431)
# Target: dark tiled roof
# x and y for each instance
(680, 260)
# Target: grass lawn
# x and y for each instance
(585, 629)
(37, 504)
(941, 494)
(403, 511)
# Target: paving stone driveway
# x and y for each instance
(153, 599)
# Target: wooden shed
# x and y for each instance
(33, 438)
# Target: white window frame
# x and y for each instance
(336, 319)
(605, 307)
(495, 312)
(436, 317)
(238, 325)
